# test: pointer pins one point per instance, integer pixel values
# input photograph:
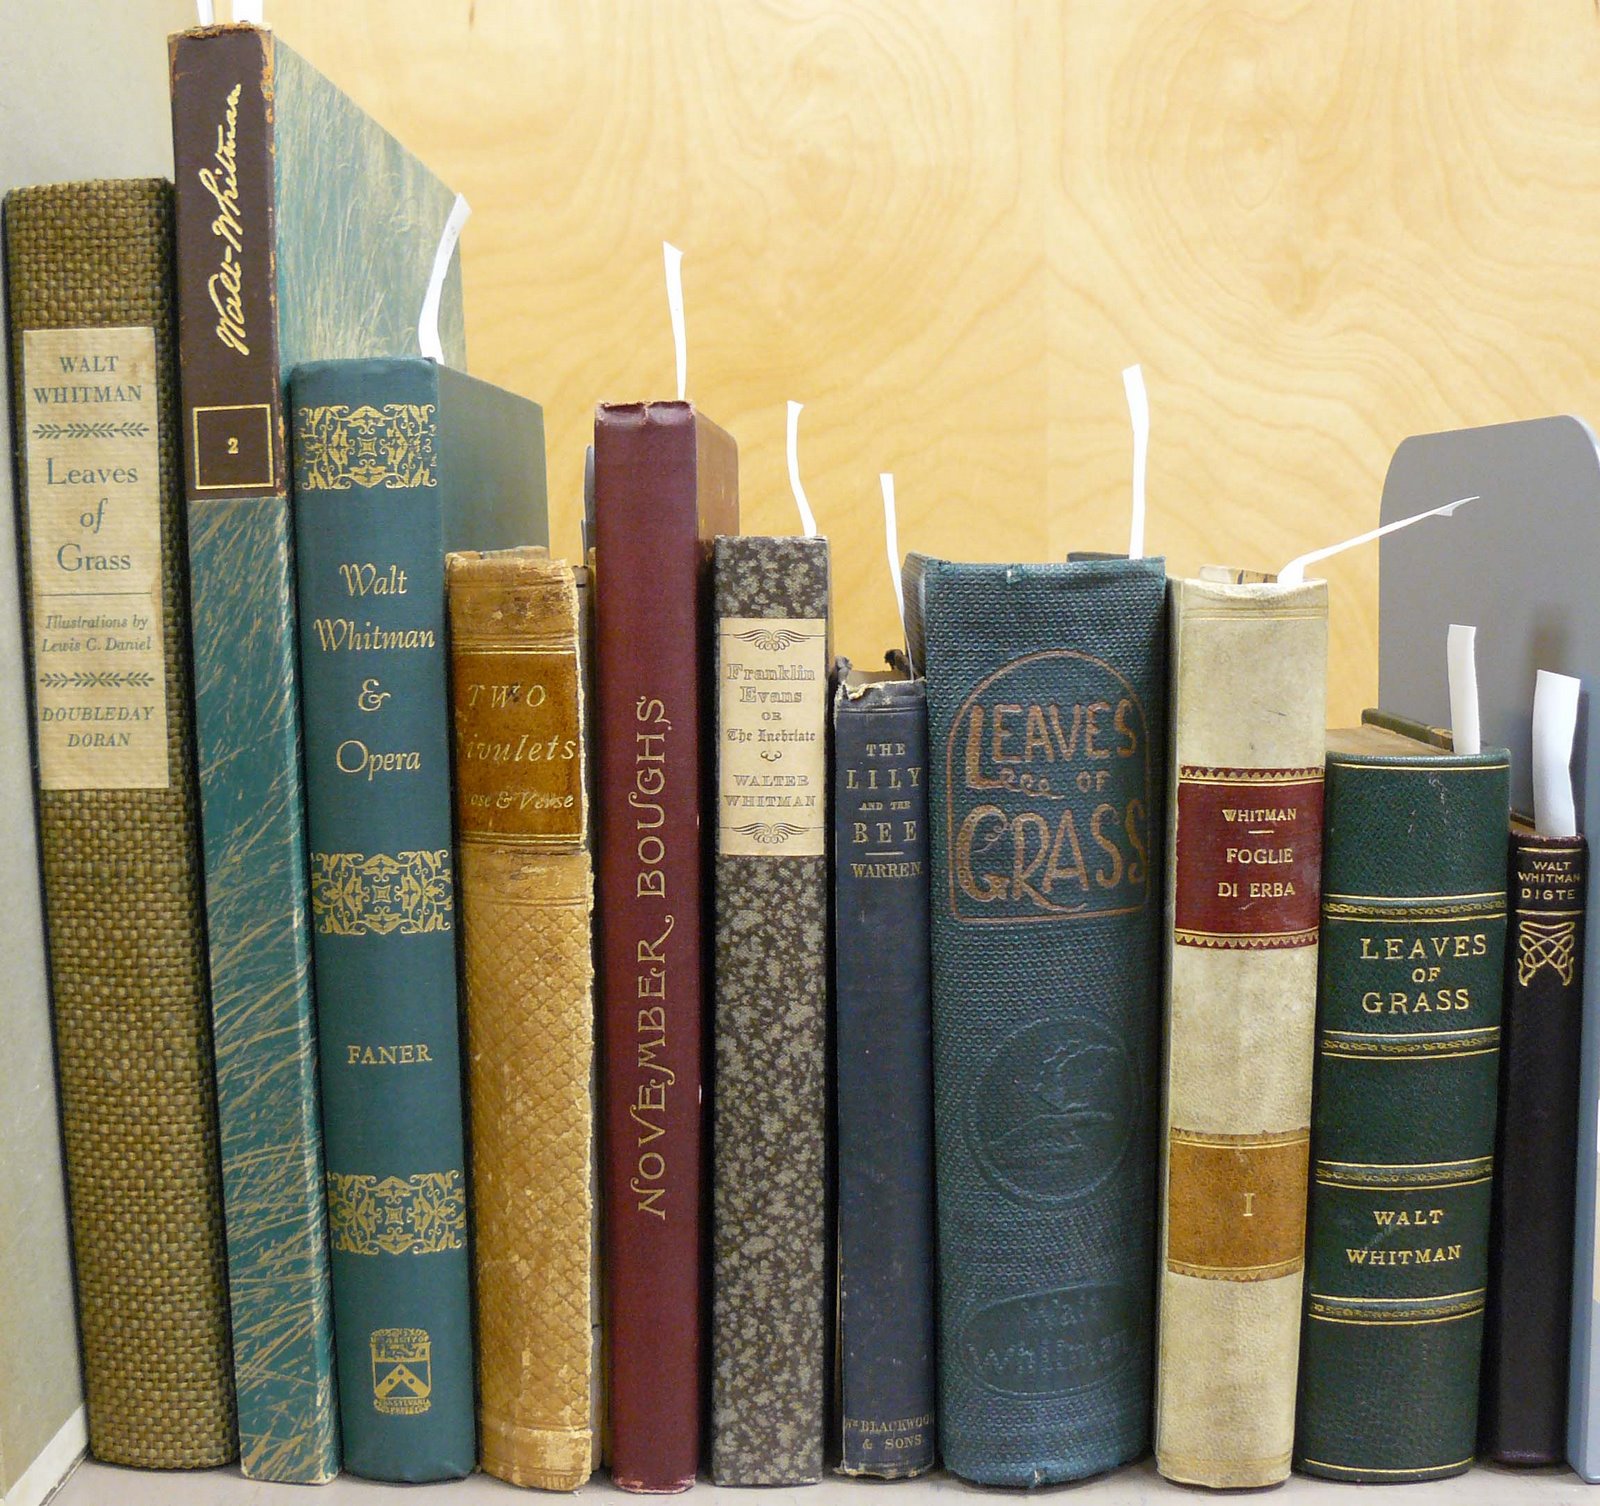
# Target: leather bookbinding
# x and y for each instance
(1046, 739)
(526, 903)
(770, 1283)
(1528, 1324)
(665, 484)
(304, 231)
(1402, 1136)
(1244, 860)
(96, 412)
(883, 1057)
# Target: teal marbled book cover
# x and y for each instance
(304, 230)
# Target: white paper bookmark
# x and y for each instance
(808, 524)
(249, 12)
(891, 539)
(1294, 573)
(1139, 416)
(1462, 665)
(206, 11)
(672, 257)
(1555, 722)
(428, 319)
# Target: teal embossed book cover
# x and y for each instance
(1046, 751)
(396, 462)
(304, 230)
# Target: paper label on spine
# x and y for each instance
(94, 528)
(772, 707)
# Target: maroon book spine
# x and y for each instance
(665, 484)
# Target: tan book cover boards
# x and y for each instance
(1248, 685)
(66, 111)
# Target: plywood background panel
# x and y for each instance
(946, 225)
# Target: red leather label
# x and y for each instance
(1249, 858)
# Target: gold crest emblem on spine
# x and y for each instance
(402, 1371)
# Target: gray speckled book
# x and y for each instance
(770, 1281)
(305, 232)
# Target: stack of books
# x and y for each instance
(1053, 1046)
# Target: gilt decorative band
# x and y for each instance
(416, 1215)
(338, 447)
(356, 894)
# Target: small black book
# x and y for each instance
(1523, 1417)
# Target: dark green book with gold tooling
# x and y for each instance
(1403, 1124)
(396, 462)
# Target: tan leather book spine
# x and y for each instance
(526, 901)
(1244, 851)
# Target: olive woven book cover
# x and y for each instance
(305, 231)
(100, 498)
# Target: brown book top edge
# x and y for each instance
(658, 411)
(217, 28)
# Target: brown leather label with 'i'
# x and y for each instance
(1236, 1204)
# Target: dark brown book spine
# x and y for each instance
(233, 435)
(665, 486)
(1528, 1326)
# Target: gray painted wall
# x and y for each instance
(83, 94)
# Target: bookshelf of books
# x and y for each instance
(505, 989)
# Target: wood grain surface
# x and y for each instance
(946, 225)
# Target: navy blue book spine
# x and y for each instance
(883, 1043)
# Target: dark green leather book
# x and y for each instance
(1403, 1123)
(396, 462)
(1046, 752)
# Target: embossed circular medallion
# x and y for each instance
(1048, 1117)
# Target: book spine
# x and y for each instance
(1244, 868)
(99, 500)
(650, 665)
(526, 903)
(370, 565)
(769, 1266)
(1408, 1037)
(1527, 1328)
(247, 726)
(883, 1049)
(1046, 735)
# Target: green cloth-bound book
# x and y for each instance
(396, 462)
(304, 231)
(1402, 1132)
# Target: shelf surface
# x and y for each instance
(1138, 1485)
